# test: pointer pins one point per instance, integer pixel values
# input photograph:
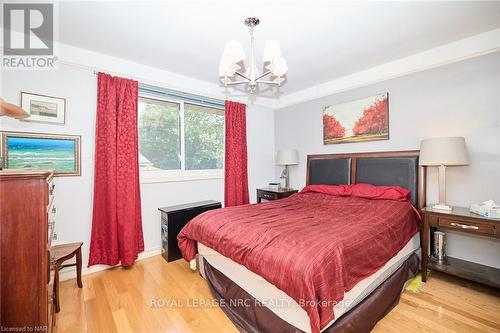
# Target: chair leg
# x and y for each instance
(79, 267)
(56, 288)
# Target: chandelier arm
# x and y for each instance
(242, 75)
(270, 82)
(263, 75)
(233, 83)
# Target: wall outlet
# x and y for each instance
(55, 236)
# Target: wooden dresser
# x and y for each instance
(26, 272)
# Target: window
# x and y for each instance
(179, 139)
(204, 137)
(159, 135)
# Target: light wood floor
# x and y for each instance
(120, 300)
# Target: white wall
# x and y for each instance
(74, 200)
(461, 99)
(74, 194)
(457, 99)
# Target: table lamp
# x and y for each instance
(443, 152)
(287, 157)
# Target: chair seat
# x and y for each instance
(61, 251)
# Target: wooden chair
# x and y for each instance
(61, 253)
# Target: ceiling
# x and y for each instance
(321, 41)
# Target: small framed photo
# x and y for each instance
(42, 108)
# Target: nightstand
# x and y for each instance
(460, 219)
(271, 194)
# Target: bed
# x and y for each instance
(314, 261)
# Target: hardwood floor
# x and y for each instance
(124, 300)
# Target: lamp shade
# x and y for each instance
(443, 151)
(277, 66)
(272, 50)
(287, 157)
(231, 56)
(233, 50)
(227, 68)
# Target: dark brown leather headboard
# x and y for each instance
(329, 171)
(398, 168)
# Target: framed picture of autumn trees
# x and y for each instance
(365, 119)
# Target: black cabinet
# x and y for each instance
(173, 219)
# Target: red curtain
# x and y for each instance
(116, 219)
(235, 164)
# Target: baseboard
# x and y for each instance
(70, 272)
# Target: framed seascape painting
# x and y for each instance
(38, 151)
(46, 109)
(365, 119)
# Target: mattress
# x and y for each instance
(287, 308)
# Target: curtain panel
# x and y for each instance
(116, 217)
(235, 161)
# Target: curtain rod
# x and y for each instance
(95, 71)
(177, 93)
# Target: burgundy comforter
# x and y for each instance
(313, 246)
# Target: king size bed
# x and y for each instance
(332, 258)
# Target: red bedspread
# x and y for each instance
(313, 246)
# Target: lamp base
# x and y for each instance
(286, 176)
(442, 207)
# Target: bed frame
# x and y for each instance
(396, 168)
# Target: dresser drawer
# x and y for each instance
(270, 194)
(467, 226)
(51, 265)
(51, 227)
(50, 310)
(51, 187)
(51, 210)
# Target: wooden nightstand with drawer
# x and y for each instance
(461, 220)
(271, 194)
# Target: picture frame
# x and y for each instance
(42, 151)
(43, 108)
(360, 120)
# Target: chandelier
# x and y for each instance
(233, 71)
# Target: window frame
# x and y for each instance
(161, 176)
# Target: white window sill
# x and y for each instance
(167, 177)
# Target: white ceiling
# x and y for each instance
(321, 41)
